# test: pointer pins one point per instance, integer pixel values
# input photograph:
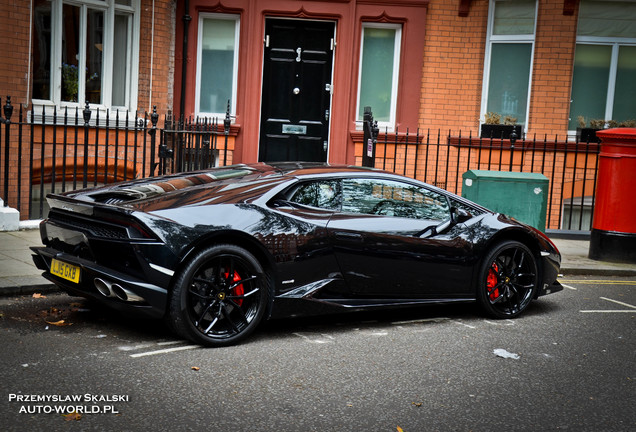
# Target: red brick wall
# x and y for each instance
(555, 41)
(14, 49)
(453, 70)
(161, 45)
(453, 66)
(15, 27)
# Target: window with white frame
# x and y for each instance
(379, 71)
(509, 52)
(84, 51)
(604, 77)
(217, 64)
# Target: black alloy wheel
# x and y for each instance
(508, 280)
(220, 296)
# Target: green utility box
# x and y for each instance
(523, 196)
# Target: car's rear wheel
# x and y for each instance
(220, 296)
(508, 280)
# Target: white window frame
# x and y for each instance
(109, 7)
(237, 27)
(519, 38)
(615, 43)
(384, 125)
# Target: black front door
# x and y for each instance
(295, 108)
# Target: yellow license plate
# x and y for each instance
(65, 270)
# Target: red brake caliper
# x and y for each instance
(238, 290)
(491, 282)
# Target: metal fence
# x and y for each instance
(50, 150)
(193, 144)
(45, 150)
(442, 159)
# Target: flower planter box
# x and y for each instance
(587, 135)
(500, 131)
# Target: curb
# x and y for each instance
(28, 290)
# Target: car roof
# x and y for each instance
(299, 169)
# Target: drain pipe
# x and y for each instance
(184, 63)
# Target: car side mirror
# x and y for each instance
(459, 215)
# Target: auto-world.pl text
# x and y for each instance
(87, 403)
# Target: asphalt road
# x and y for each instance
(568, 364)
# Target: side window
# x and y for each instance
(324, 194)
(391, 198)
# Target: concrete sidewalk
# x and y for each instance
(18, 274)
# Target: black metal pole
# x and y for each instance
(87, 118)
(184, 62)
(227, 122)
(370, 135)
(8, 111)
(513, 139)
(154, 117)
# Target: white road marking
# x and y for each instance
(619, 302)
(378, 333)
(135, 347)
(569, 287)
(165, 350)
(613, 311)
(465, 325)
(607, 311)
(169, 343)
(316, 338)
(421, 321)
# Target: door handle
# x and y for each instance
(348, 236)
(298, 51)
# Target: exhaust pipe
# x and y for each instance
(109, 289)
(104, 287)
(124, 294)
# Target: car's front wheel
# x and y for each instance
(508, 280)
(219, 297)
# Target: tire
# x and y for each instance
(220, 297)
(508, 280)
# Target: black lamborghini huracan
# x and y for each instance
(217, 251)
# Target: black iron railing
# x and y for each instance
(193, 144)
(45, 150)
(442, 159)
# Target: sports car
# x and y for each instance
(218, 251)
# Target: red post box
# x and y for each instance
(614, 225)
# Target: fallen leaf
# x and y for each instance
(38, 295)
(195, 368)
(72, 416)
(399, 429)
(417, 404)
(60, 323)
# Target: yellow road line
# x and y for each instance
(597, 282)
